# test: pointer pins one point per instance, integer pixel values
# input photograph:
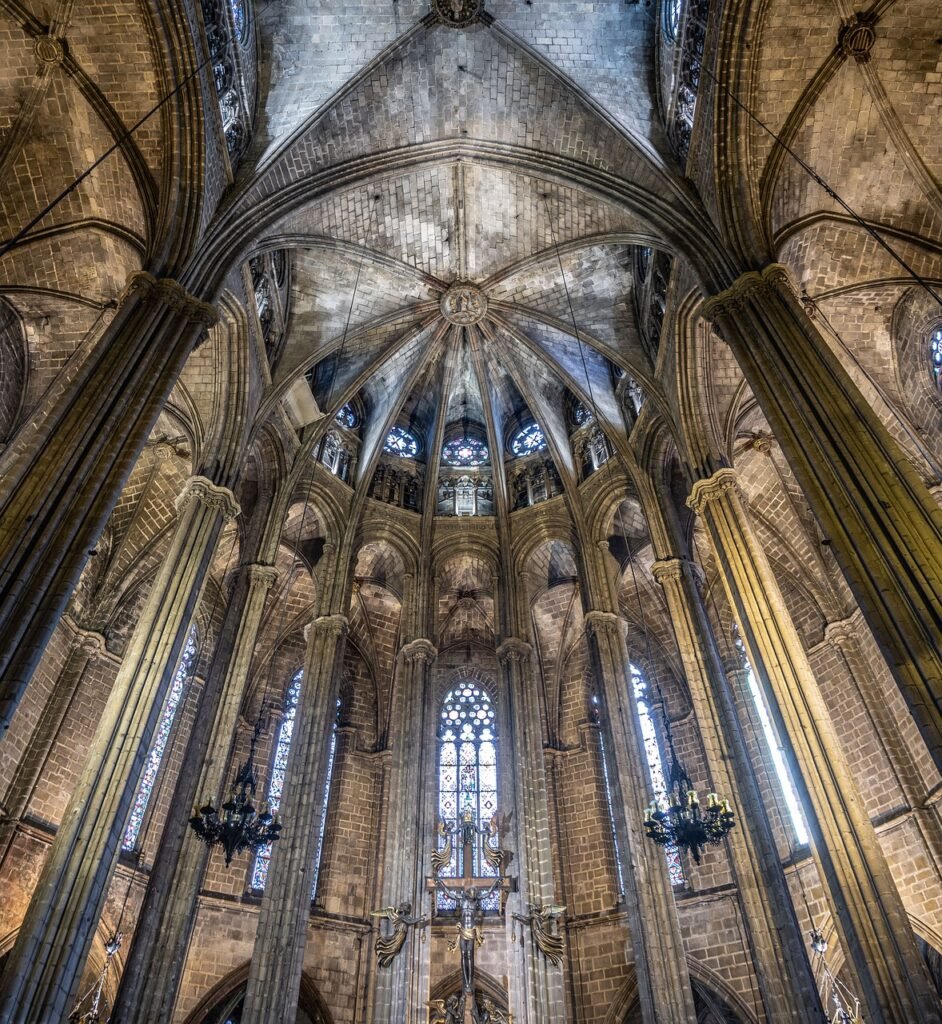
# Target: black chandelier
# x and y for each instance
(678, 820)
(240, 827)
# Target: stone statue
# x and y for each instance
(542, 920)
(388, 947)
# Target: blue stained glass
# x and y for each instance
(530, 439)
(465, 451)
(322, 829)
(400, 442)
(238, 18)
(159, 744)
(467, 773)
(276, 781)
(611, 810)
(347, 416)
(652, 752)
(935, 349)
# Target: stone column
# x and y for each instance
(84, 650)
(542, 998)
(156, 958)
(275, 973)
(408, 835)
(663, 982)
(884, 527)
(787, 984)
(52, 946)
(63, 473)
(866, 906)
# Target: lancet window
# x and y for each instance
(276, 780)
(322, 825)
(685, 25)
(467, 767)
(935, 353)
(607, 781)
(776, 753)
(159, 744)
(652, 752)
(226, 25)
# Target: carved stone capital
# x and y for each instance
(746, 288)
(711, 488)
(840, 632)
(91, 644)
(265, 575)
(600, 624)
(513, 649)
(170, 293)
(420, 650)
(332, 625)
(198, 488)
(672, 570)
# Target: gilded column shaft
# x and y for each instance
(275, 973)
(663, 982)
(866, 906)
(156, 958)
(64, 471)
(785, 978)
(884, 527)
(51, 949)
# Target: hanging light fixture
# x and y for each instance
(93, 1014)
(679, 820)
(240, 827)
(846, 1004)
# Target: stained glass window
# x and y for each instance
(467, 772)
(238, 18)
(347, 416)
(465, 451)
(322, 828)
(935, 349)
(652, 752)
(159, 744)
(672, 12)
(400, 442)
(580, 414)
(276, 781)
(792, 804)
(530, 439)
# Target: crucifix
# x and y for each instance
(469, 892)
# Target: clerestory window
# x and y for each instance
(935, 354)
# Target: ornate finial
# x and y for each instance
(458, 13)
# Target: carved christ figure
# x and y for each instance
(470, 935)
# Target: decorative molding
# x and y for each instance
(606, 624)
(419, 650)
(199, 488)
(711, 488)
(514, 650)
(172, 294)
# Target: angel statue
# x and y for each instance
(389, 946)
(447, 1011)
(488, 1013)
(490, 843)
(543, 922)
(441, 858)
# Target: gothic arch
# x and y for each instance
(225, 995)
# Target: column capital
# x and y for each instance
(259, 572)
(606, 624)
(203, 490)
(668, 570)
(89, 643)
(333, 625)
(733, 664)
(172, 294)
(514, 650)
(419, 650)
(744, 289)
(711, 488)
(841, 632)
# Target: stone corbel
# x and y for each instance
(599, 624)
(266, 575)
(332, 625)
(514, 650)
(91, 644)
(420, 651)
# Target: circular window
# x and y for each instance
(580, 414)
(465, 451)
(530, 439)
(400, 442)
(348, 417)
(935, 349)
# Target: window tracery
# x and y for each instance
(537, 480)
(652, 751)
(593, 450)
(607, 782)
(935, 353)
(270, 288)
(398, 485)
(226, 25)
(467, 767)
(159, 744)
(347, 417)
(465, 451)
(338, 455)
(528, 440)
(400, 442)
(322, 825)
(465, 494)
(690, 33)
(276, 780)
